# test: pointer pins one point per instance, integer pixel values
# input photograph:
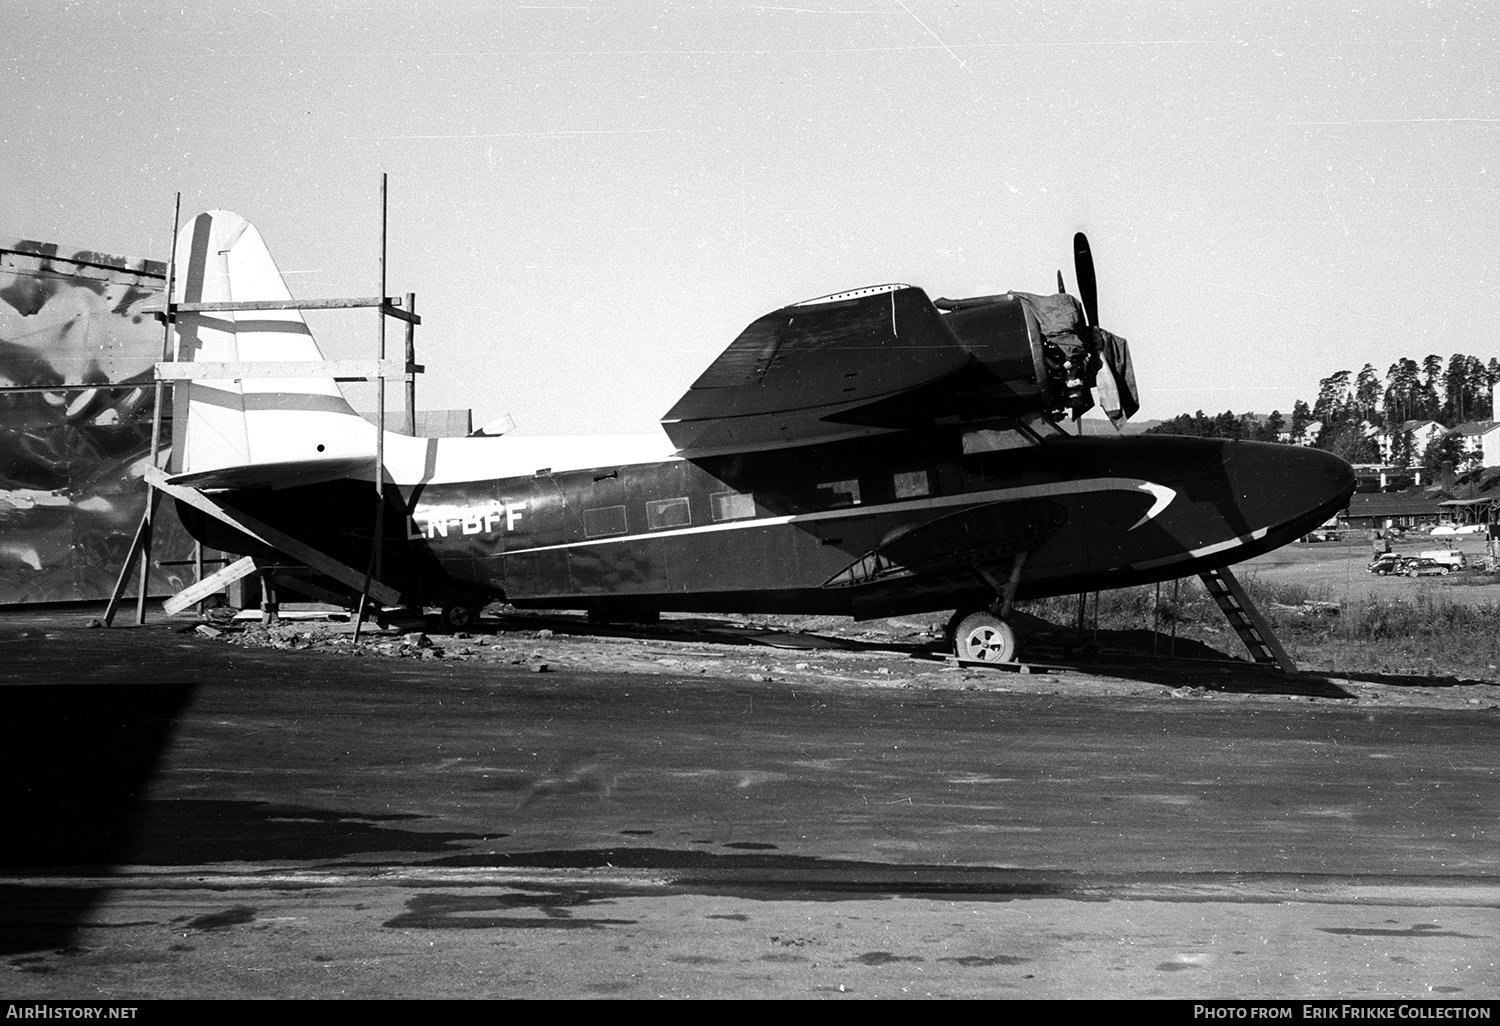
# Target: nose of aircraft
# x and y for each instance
(1288, 489)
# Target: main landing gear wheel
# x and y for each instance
(984, 637)
(460, 615)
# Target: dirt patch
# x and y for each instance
(816, 653)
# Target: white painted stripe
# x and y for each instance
(1206, 550)
(873, 290)
(1161, 494)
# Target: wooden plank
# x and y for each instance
(124, 578)
(216, 581)
(279, 540)
(243, 305)
(344, 370)
(402, 315)
(391, 307)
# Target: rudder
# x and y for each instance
(220, 257)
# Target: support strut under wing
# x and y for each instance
(983, 539)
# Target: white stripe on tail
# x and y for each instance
(224, 423)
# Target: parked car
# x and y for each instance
(1424, 568)
(1453, 559)
(1390, 563)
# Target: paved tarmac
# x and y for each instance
(208, 820)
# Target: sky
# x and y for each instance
(591, 200)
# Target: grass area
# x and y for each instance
(1422, 632)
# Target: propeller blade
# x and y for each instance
(1062, 290)
(1088, 287)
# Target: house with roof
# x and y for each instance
(1481, 442)
(1422, 433)
(1412, 508)
(1309, 435)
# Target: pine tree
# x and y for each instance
(1367, 394)
(1334, 400)
(1429, 406)
(1301, 417)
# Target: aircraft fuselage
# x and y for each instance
(874, 526)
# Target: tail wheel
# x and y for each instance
(984, 637)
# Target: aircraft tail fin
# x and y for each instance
(228, 423)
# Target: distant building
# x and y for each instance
(1395, 509)
(1309, 434)
(1376, 477)
(1481, 442)
(1422, 433)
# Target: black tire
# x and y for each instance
(984, 637)
(460, 615)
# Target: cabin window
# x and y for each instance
(604, 521)
(833, 494)
(912, 484)
(732, 505)
(668, 513)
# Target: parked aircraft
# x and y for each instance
(869, 453)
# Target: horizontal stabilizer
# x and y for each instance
(288, 474)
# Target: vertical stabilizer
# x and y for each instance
(224, 423)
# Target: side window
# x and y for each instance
(603, 522)
(732, 505)
(668, 513)
(911, 485)
(834, 494)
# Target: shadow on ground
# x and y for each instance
(76, 759)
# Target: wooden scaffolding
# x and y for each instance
(366, 583)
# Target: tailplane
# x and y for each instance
(231, 423)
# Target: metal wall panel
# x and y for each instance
(73, 448)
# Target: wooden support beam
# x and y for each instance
(339, 370)
(391, 307)
(272, 538)
(130, 560)
(216, 581)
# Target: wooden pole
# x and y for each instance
(148, 525)
(372, 567)
(380, 399)
(411, 359)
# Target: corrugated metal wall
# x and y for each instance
(72, 453)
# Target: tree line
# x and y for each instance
(1351, 410)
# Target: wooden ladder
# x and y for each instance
(1246, 620)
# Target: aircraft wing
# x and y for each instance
(288, 474)
(803, 372)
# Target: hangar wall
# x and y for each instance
(76, 351)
